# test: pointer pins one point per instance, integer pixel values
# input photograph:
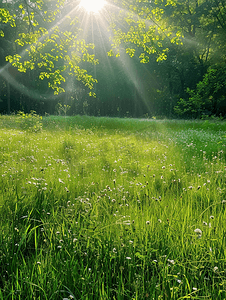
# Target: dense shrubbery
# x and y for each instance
(209, 97)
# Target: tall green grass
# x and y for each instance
(101, 208)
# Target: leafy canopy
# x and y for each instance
(50, 44)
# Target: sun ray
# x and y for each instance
(88, 11)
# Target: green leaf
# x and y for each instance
(144, 58)
(111, 53)
(130, 51)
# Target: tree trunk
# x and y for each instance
(8, 97)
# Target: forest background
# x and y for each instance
(135, 58)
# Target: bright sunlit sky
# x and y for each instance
(92, 5)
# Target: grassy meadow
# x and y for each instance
(107, 208)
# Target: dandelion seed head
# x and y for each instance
(60, 181)
(198, 231)
(215, 269)
(171, 261)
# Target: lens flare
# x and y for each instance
(92, 5)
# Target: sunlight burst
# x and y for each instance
(92, 5)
